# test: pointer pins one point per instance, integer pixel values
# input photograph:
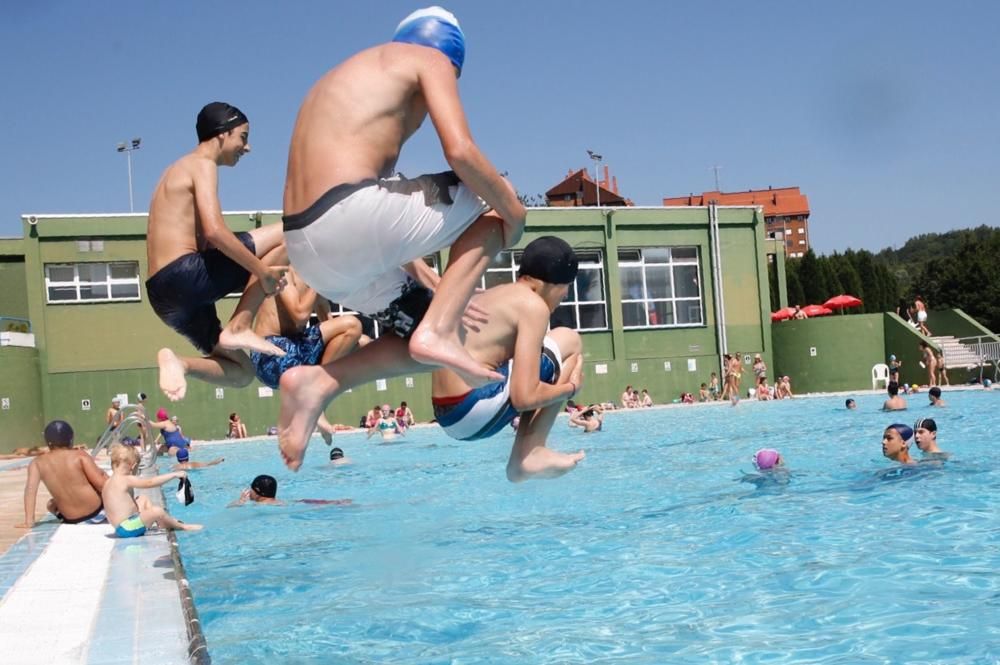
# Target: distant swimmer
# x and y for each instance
(934, 395)
(542, 368)
(386, 426)
(770, 466)
(350, 224)
(195, 260)
(896, 443)
(337, 457)
(184, 462)
(925, 434)
(264, 489)
(850, 404)
(895, 402)
(590, 419)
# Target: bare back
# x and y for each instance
(174, 226)
(73, 479)
(355, 120)
(119, 502)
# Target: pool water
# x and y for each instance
(651, 551)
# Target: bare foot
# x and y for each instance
(430, 348)
(542, 462)
(173, 382)
(190, 527)
(325, 429)
(247, 340)
(301, 406)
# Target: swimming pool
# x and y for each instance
(652, 551)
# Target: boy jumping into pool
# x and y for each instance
(349, 224)
(541, 369)
(195, 260)
(132, 516)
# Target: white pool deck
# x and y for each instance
(74, 594)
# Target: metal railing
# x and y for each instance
(980, 351)
(133, 416)
(14, 324)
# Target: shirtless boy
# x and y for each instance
(195, 260)
(349, 226)
(896, 443)
(541, 369)
(895, 402)
(71, 477)
(131, 516)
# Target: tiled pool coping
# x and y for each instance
(76, 594)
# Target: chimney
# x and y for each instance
(606, 181)
(615, 181)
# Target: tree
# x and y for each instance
(796, 296)
(850, 280)
(812, 279)
(864, 263)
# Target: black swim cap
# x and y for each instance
(549, 259)
(59, 433)
(218, 118)
(927, 423)
(266, 486)
(336, 453)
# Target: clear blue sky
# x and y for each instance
(884, 113)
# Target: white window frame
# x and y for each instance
(509, 262)
(673, 298)
(77, 283)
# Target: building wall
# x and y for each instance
(21, 422)
(14, 294)
(846, 349)
(95, 351)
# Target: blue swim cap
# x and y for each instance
(904, 431)
(987, 383)
(437, 28)
(183, 455)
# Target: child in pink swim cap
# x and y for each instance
(767, 458)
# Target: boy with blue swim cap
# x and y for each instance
(356, 231)
(896, 443)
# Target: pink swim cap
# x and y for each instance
(162, 415)
(766, 458)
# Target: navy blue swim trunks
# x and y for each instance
(305, 348)
(184, 292)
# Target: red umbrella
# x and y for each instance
(816, 310)
(782, 314)
(842, 302)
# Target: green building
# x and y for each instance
(662, 294)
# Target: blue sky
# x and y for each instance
(884, 113)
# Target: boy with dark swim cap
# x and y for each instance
(71, 477)
(896, 443)
(925, 434)
(195, 260)
(541, 368)
(934, 395)
(350, 225)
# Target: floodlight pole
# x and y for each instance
(597, 175)
(127, 149)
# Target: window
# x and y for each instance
(661, 287)
(92, 282)
(585, 305)
(802, 242)
(802, 230)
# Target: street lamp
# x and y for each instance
(597, 176)
(127, 149)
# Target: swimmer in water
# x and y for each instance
(184, 462)
(925, 434)
(851, 404)
(590, 419)
(770, 466)
(337, 457)
(896, 443)
(386, 425)
(934, 395)
(264, 489)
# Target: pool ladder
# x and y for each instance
(134, 415)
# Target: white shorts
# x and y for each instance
(350, 244)
(922, 315)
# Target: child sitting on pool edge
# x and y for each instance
(132, 516)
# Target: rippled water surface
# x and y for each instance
(652, 551)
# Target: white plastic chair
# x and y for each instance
(880, 372)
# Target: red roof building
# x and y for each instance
(578, 189)
(786, 211)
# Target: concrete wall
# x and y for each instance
(21, 423)
(846, 348)
(14, 294)
(903, 341)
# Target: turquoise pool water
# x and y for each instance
(652, 551)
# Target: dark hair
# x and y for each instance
(59, 433)
(848, 402)
(265, 485)
(935, 391)
(893, 388)
(232, 415)
(403, 403)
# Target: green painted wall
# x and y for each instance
(21, 424)
(957, 323)
(14, 294)
(846, 349)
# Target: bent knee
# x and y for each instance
(569, 340)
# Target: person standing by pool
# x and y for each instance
(340, 202)
(930, 362)
(404, 416)
(237, 428)
(113, 417)
(921, 308)
(173, 439)
(71, 477)
(895, 402)
(542, 368)
(195, 260)
(896, 443)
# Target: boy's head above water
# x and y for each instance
(264, 486)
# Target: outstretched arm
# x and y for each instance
(155, 481)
